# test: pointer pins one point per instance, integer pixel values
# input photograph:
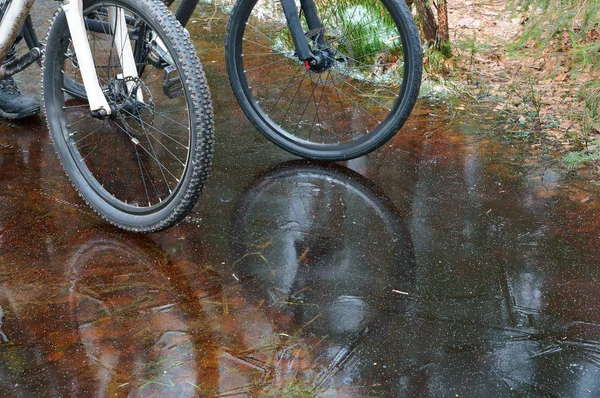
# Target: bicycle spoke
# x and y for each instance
(261, 54)
(156, 156)
(159, 163)
(285, 89)
(265, 65)
(355, 103)
(137, 154)
(316, 118)
(186, 146)
(261, 33)
(349, 91)
(89, 134)
(306, 106)
(366, 95)
(157, 194)
(272, 81)
(295, 94)
(162, 114)
(259, 44)
(160, 143)
(341, 104)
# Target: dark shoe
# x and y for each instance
(13, 104)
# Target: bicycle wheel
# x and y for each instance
(144, 167)
(347, 105)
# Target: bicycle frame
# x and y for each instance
(18, 11)
(186, 8)
(13, 19)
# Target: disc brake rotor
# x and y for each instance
(338, 49)
(131, 108)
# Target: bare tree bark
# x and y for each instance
(427, 19)
(443, 35)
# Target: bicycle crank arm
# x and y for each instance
(17, 65)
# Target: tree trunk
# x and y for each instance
(443, 35)
(427, 20)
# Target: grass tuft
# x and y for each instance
(586, 156)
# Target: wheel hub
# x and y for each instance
(323, 60)
(333, 54)
(121, 95)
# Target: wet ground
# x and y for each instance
(438, 266)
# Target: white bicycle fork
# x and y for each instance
(74, 12)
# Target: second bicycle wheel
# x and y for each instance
(352, 102)
(143, 167)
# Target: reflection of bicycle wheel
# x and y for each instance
(324, 237)
(132, 323)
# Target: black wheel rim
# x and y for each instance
(331, 106)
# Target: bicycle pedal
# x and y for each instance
(172, 86)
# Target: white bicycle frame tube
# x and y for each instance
(74, 11)
(13, 18)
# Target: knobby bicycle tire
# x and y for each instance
(140, 169)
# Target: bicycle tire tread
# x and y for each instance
(408, 101)
(201, 159)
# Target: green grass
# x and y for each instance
(295, 389)
(472, 46)
(362, 30)
(585, 156)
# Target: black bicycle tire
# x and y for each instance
(407, 99)
(201, 122)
